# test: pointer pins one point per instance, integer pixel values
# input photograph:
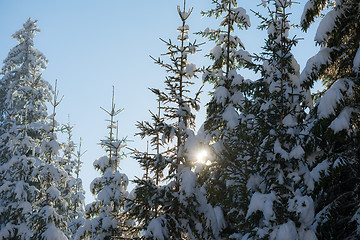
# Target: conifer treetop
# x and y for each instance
(24, 53)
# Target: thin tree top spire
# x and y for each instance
(28, 32)
(113, 110)
(183, 13)
(112, 113)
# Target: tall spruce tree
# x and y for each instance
(336, 116)
(28, 128)
(22, 69)
(280, 206)
(178, 208)
(228, 115)
(104, 215)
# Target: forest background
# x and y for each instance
(93, 45)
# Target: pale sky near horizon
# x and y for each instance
(93, 45)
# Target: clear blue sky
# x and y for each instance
(92, 45)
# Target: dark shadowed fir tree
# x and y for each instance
(228, 115)
(104, 214)
(281, 206)
(73, 192)
(336, 118)
(143, 202)
(179, 206)
(23, 146)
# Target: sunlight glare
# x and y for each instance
(202, 156)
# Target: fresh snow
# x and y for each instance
(326, 25)
(216, 52)
(342, 122)
(53, 233)
(53, 192)
(304, 207)
(102, 163)
(231, 117)
(332, 97)
(262, 202)
(356, 62)
(190, 69)
(307, 235)
(221, 94)
(241, 15)
(314, 175)
(237, 98)
(308, 6)
(315, 62)
(287, 231)
(297, 152)
(289, 121)
(220, 220)
(156, 229)
(245, 55)
(188, 184)
(278, 149)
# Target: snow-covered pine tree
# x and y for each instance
(181, 209)
(336, 117)
(47, 220)
(280, 206)
(25, 95)
(73, 192)
(229, 114)
(104, 215)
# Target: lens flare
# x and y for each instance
(202, 156)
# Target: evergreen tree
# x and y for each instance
(47, 221)
(25, 95)
(73, 191)
(17, 186)
(21, 83)
(104, 215)
(143, 202)
(336, 117)
(229, 115)
(228, 56)
(178, 206)
(67, 161)
(281, 206)
(77, 216)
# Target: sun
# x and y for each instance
(201, 156)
